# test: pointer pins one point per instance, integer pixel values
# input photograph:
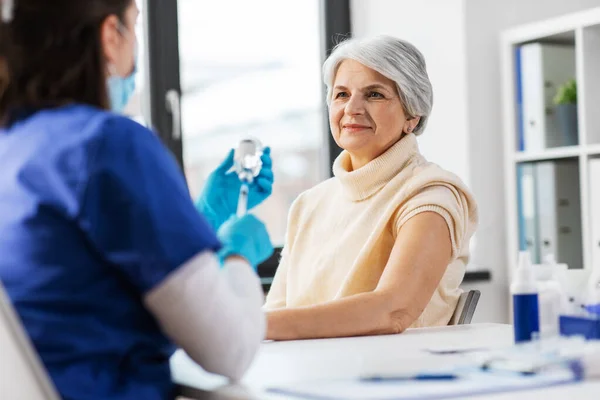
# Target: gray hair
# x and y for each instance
(395, 59)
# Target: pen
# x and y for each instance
(418, 377)
(455, 351)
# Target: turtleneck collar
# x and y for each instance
(369, 179)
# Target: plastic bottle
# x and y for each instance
(592, 298)
(573, 284)
(524, 290)
(551, 298)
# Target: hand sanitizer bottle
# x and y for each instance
(526, 320)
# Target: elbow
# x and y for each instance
(236, 356)
(232, 365)
(395, 318)
(396, 322)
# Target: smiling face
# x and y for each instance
(366, 115)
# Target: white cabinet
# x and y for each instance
(552, 186)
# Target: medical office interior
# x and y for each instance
(516, 88)
(231, 87)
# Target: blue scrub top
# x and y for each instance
(94, 213)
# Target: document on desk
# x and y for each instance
(479, 382)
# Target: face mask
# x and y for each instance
(121, 89)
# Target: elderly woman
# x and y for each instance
(382, 246)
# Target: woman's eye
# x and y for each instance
(341, 94)
(376, 95)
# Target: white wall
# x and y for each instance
(440, 37)
(460, 41)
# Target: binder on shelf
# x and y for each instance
(528, 218)
(569, 246)
(542, 68)
(546, 206)
(594, 182)
(549, 211)
(520, 218)
(519, 100)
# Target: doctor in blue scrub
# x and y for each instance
(102, 252)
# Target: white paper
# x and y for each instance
(475, 383)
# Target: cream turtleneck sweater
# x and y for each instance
(341, 232)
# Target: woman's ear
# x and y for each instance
(109, 39)
(411, 124)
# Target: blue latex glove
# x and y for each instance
(246, 237)
(219, 198)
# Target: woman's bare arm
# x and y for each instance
(418, 260)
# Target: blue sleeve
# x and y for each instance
(136, 208)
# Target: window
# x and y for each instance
(137, 108)
(257, 76)
(245, 68)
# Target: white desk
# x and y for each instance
(285, 362)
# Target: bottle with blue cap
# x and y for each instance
(524, 291)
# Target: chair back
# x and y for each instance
(465, 308)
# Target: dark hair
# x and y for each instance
(51, 54)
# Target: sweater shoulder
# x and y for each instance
(316, 194)
(424, 173)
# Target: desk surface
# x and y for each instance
(279, 363)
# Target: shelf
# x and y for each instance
(592, 150)
(565, 38)
(548, 154)
(553, 28)
(477, 276)
(552, 194)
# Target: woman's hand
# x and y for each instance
(219, 198)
